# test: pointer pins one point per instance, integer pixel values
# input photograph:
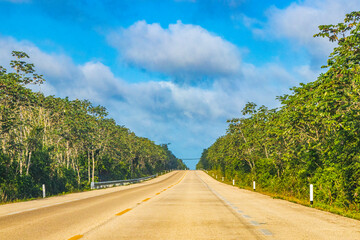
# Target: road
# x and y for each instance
(178, 205)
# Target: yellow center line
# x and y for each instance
(181, 178)
(165, 188)
(76, 237)
(123, 212)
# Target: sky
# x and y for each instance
(172, 70)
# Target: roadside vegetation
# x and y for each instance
(64, 144)
(313, 138)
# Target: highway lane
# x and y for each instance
(179, 205)
(65, 216)
(189, 210)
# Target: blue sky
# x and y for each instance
(173, 71)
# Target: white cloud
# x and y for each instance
(181, 50)
(51, 65)
(300, 20)
(93, 80)
(306, 73)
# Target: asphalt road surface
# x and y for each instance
(178, 205)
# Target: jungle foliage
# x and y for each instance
(314, 137)
(64, 144)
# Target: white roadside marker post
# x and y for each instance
(216, 176)
(43, 189)
(311, 194)
(233, 182)
(254, 185)
(222, 178)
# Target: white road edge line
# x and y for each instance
(266, 232)
(45, 206)
(263, 231)
(255, 223)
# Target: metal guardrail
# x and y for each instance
(97, 185)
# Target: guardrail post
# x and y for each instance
(92, 185)
(43, 190)
(254, 186)
(222, 178)
(311, 194)
(233, 182)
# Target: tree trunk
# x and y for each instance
(67, 155)
(78, 174)
(89, 172)
(93, 166)
(28, 165)
(266, 153)
(20, 165)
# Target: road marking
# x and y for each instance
(31, 209)
(266, 232)
(167, 188)
(76, 237)
(255, 223)
(45, 206)
(145, 200)
(15, 213)
(123, 212)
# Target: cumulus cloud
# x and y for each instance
(160, 100)
(92, 80)
(300, 20)
(50, 64)
(96, 81)
(306, 73)
(181, 50)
